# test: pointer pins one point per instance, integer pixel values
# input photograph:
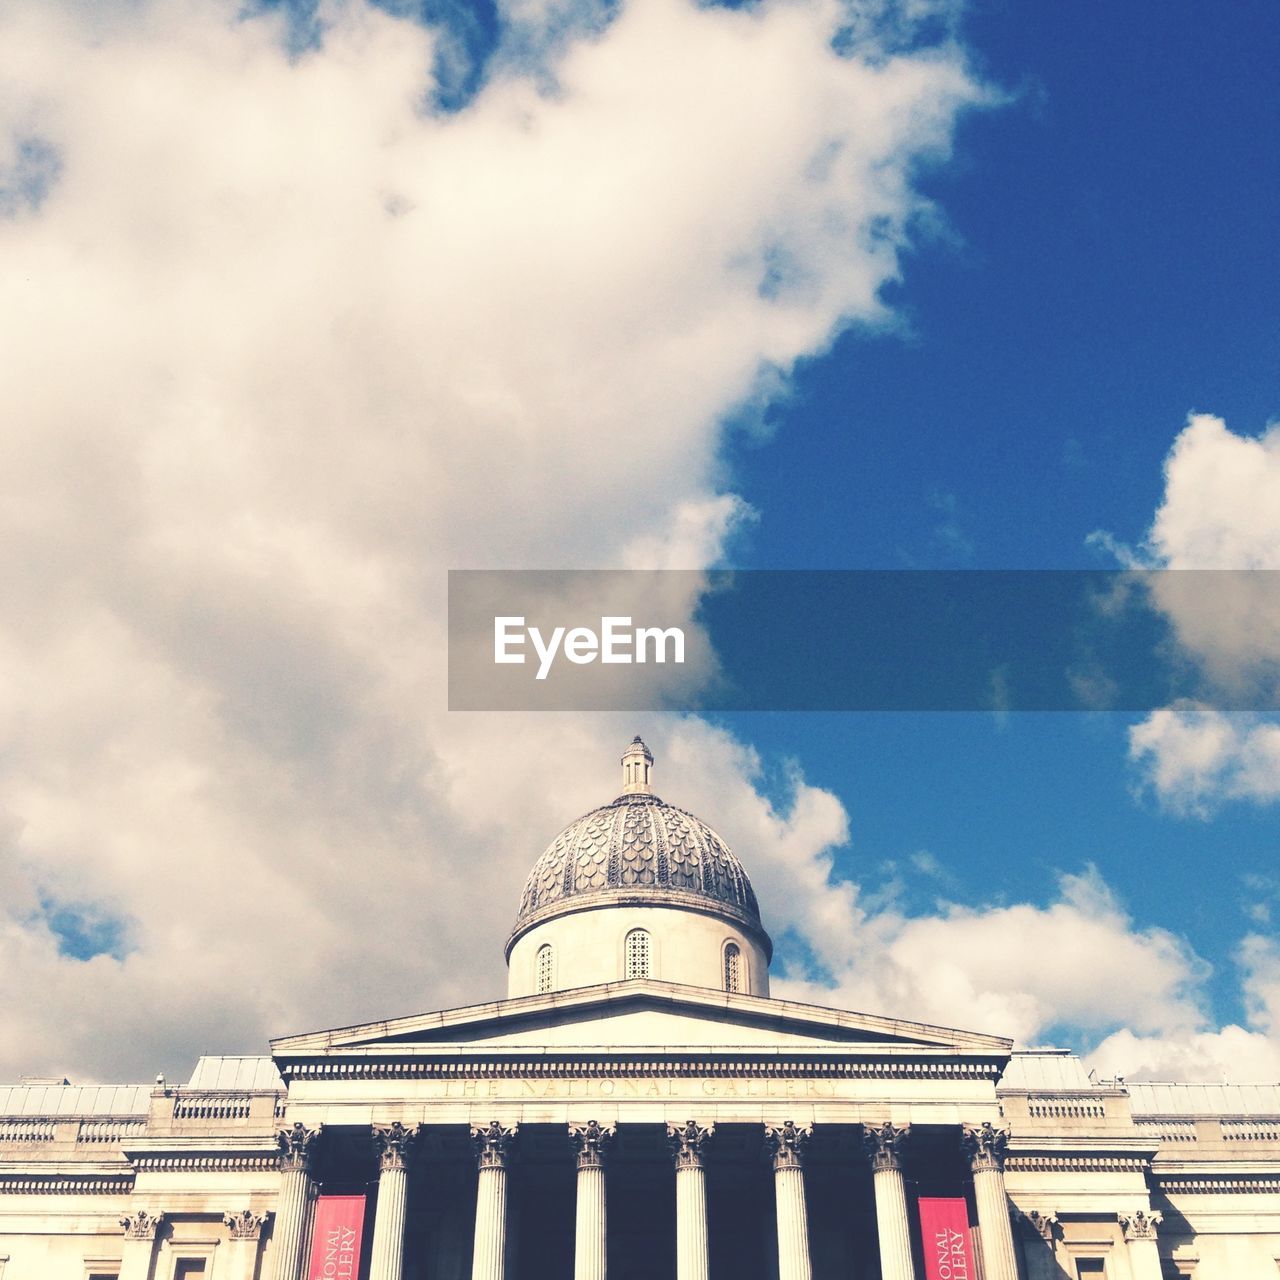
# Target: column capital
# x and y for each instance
(298, 1146)
(1139, 1225)
(395, 1144)
(591, 1141)
(1033, 1223)
(688, 1143)
(494, 1144)
(245, 1225)
(883, 1144)
(985, 1145)
(785, 1144)
(141, 1225)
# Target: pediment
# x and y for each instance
(643, 1014)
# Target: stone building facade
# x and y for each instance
(640, 1107)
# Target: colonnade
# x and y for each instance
(785, 1144)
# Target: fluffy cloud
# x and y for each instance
(1220, 511)
(282, 344)
(1194, 757)
(1249, 1053)
(1022, 970)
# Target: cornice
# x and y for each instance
(77, 1182)
(1076, 1162)
(208, 1162)
(638, 1065)
(206, 1152)
(1098, 1144)
(1218, 1184)
(642, 896)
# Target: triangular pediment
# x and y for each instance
(627, 1016)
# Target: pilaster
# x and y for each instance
(1139, 1229)
(140, 1230)
(245, 1230)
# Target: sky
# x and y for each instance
(302, 307)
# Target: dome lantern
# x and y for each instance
(637, 769)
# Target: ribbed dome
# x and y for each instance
(637, 849)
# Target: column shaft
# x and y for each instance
(692, 1256)
(793, 1224)
(892, 1224)
(387, 1257)
(291, 1217)
(489, 1258)
(999, 1262)
(590, 1257)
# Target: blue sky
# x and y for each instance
(1110, 265)
(302, 312)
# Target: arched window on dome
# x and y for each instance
(545, 964)
(638, 954)
(732, 967)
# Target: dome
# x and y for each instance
(638, 849)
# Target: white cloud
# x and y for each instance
(1220, 510)
(1021, 970)
(280, 347)
(1132, 998)
(1249, 1054)
(1193, 757)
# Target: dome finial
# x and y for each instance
(637, 769)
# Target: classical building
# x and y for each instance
(639, 1105)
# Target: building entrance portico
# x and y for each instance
(640, 1107)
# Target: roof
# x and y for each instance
(1052, 1070)
(75, 1100)
(1204, 1099)
(236, 1073)
(637, 847)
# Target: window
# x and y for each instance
(637, 947)
(732, 967)
(1090, 1268)
(546, 973)
(188, 1269)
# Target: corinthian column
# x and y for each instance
(883, 1145)
(139, 1244)
(245, 1229)
(394, 1145)
(297, 1149)
(985, 1147)
(688, 1148)
(785, 1145)
(591, 1245)
(493, 1146)
(1140, 1240)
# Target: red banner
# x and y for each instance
(944, 1232)
(335, 1238)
